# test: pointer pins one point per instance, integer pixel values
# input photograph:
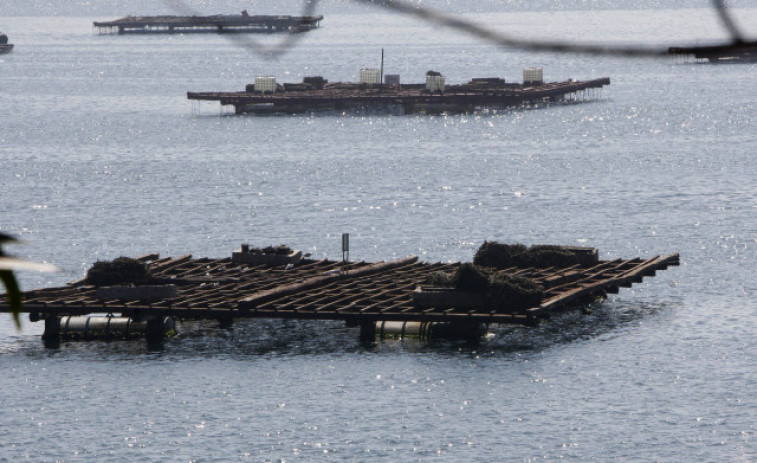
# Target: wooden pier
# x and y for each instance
(360, 294)
(407, 99)
(216, 23)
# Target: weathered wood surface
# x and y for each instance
(214, 23)
(356, 292)
(346, 96)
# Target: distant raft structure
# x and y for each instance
(5, 47)
(387, 94)
(215, 23)
(738, 52)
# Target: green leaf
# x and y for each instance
(13, 292)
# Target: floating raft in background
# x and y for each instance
(361, 294)
(5, 47)
(409, 98)
(737, 52)
(215, 23)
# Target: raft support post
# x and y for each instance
(51, 335)
(367, 331)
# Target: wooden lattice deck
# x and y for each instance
(358, 293)
(409, 98)
(215, 23)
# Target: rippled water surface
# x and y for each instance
(103, 155)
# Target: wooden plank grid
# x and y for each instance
(344, 96)
(321, 289)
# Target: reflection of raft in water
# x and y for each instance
(5, 47)
(435, 97)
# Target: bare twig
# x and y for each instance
(489, 35)
(727, 21)
(461, 24)
(287, 43)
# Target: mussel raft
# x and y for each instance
(315, 93)
(5, 47)
(736, 52)
(411, 296)
(219, 23)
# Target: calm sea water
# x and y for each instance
(102, 156)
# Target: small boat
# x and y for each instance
(5, 47)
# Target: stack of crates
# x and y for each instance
(265, 84)
(370, 76)
(533, 76)
(435, 83)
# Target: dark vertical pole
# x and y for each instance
(345, 250)
(155, 331)
(51, 336)
(367, 331)
(382, 67)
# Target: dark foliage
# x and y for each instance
(550, 256)
(501, 256)
(282, 250)
(502, 293)
(13, 294)
(470, 277)
(443, 279)
(119, 271)
(511, 294)
(497, 255)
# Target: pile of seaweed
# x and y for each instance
(502, 293)
(119, 271)
(501, 256)
(280, 250)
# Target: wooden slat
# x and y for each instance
(250, 302)
(162, 267)
(568, 296)
(379, 291)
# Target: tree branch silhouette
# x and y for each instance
(480, 31)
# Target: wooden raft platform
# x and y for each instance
(215, 23)
(409, 98)
(738, 52)
(358, 293)
(5, 47)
